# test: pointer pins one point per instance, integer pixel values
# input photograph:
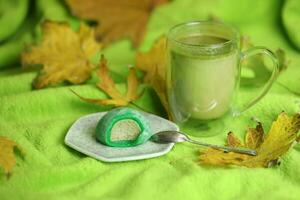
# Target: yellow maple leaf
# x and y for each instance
(107, 85)
(153, 64)
(254, 137)
(116, 19)
(64, 54)
(281, 136)
(7, 156)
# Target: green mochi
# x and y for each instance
(133, 123)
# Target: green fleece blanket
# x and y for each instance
(39, 119)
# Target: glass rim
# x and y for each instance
(199, 22)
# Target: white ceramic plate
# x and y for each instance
(81, 137)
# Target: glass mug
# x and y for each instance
(204, 69)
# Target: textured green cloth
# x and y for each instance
(39, 119)
(290, 19)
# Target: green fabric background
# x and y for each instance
(39, 119)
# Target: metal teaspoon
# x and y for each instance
(176, 136)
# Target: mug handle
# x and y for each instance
(251, 52)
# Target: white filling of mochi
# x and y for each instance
(126, 129)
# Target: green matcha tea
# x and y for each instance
(203, 40)
(202, 82)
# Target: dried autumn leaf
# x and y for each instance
(153, 64)
(280, 138)
(255, 136)
(107, 85)
(7, 155)
(116, 19)
(233, 141)
(64, 54)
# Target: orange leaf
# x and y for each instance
(107, 85)
(233, 141)
(64, 54)
(132, 85)
(118, 18)
(7, 156)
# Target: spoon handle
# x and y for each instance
(231, 149)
